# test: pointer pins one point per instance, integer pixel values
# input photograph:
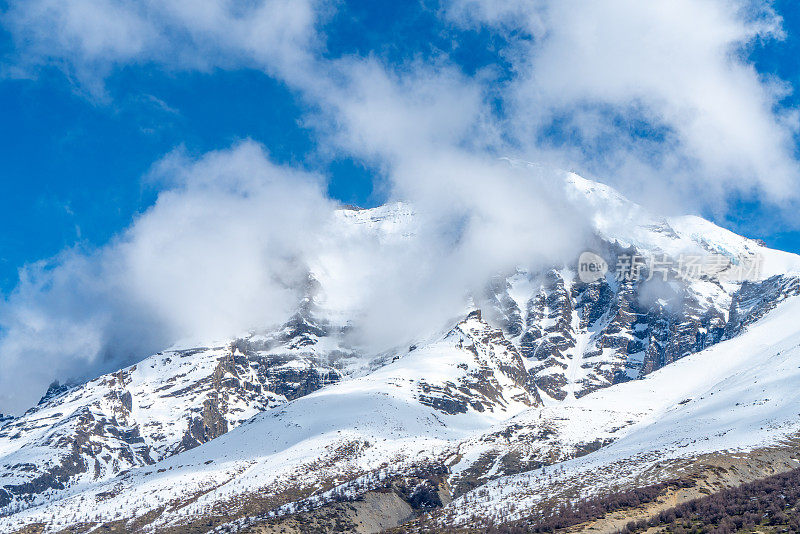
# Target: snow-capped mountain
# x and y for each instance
(168, 403)
(606, 377)
(736, 397)
(467, 380)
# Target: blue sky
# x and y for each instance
(73, 166)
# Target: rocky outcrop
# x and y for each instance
(577, 337)
(54, 390)
(754, 299)
(489, 375)
(166, 404)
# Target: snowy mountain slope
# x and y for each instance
(579, 337)
(565, 430)
(617, 219)
(295, 418)
(183, 397)
(165, 404)
(394, 419)
(735, 396)
(353, 436)
(387, 222)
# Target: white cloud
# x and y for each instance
(428, 128)
(679, 67)
(598, 71)
(232, 235)
(221, 251)
(229, 243)
(90, 38)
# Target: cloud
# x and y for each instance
(428, 128)
(657, 97)
(221, 251)
(638, 91)
(231, 237)
(228, 246)
(89, 39)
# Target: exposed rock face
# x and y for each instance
(754, 299)
(55, 389)
(489, 375)
(578, 337)
(166, 404)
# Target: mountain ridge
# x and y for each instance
(272, 423)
